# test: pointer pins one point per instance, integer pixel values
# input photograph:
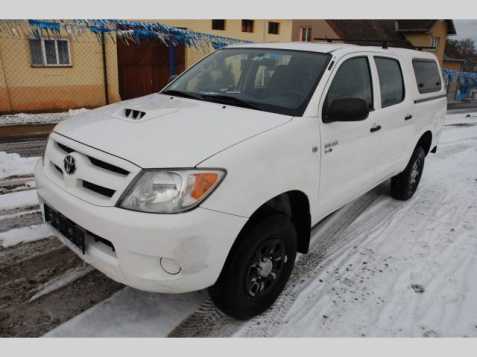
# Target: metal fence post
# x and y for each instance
(105, 68)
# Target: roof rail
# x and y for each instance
(383, 43)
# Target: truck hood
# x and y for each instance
(172, 131)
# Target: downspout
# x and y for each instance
(105, 69)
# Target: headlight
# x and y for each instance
(171, 191)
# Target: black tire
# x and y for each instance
(247, 288)
(404, 185)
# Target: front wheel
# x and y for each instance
(257, 269)
(404, 185)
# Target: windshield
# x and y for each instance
(279, 81)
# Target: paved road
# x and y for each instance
(27, 146)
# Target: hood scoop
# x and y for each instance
(133, 114)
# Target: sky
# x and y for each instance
(466, 29)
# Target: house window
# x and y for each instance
(435, 42)
(218, 24)
(50, 52)
(305, 34)
(247, 25)
(274, 28)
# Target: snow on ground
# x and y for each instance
(132, 313)
(38, 118)
(25, 234)
(15, 165)
(461, 119)
(403, 268)
(19, 199)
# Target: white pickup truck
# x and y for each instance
(216, 181)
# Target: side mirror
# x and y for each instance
(171, 78)
(346, 109)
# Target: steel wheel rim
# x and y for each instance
(265, 267)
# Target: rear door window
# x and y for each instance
(427, 75)
(390, 81)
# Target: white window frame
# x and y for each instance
(435, 42)
(43, 53)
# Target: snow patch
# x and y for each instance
(132, 313)
(25, 234)
(18, 200)
(15, 165)
(38, 118)
(461, 119)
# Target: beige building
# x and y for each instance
(65, 71)
(56, 73)
(71, 70)
(255, 31)
(427, 35)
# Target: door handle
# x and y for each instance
(408, 117)
(375, 128)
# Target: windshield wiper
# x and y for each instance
(179, 93)
(228, 99)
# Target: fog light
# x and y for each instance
(170, 266)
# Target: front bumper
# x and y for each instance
(198, 240)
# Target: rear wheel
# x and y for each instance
(257, 269)
(404, 185)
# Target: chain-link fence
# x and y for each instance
(55, 65)
(57, 72)
(63, 70)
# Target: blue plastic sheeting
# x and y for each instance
(135, 31)
(466, 82)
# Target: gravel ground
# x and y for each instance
(25, 269)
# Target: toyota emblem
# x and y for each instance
(69, 164)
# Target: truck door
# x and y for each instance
(347, 151)
(394, 116)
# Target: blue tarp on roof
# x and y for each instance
(133, 31)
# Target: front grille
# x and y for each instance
(98, 189)
(57, 168)
(64, 148)
(107, 166)
(97, 177)
(95, 161)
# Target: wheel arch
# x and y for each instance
(296, 205)
(425, 141)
